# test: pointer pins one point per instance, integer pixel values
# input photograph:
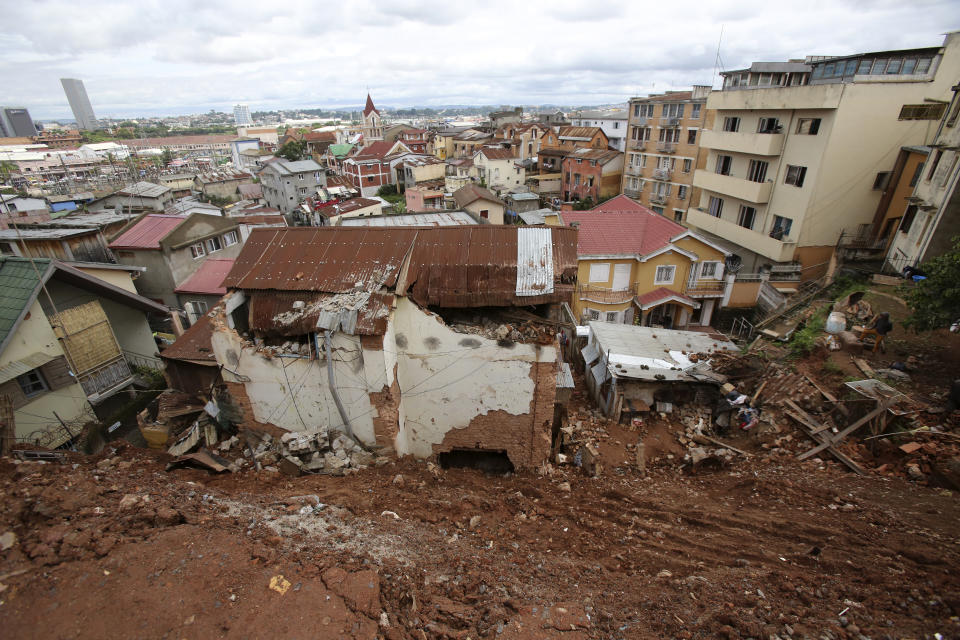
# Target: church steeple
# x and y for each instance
(369, 108)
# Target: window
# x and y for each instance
(710, 270)
(747, 217)
(916, 175)
(864, 68)
(599, 272)
(682, 192)
(594, 314)
(691, 136)
(230, 238)
(933, 167)
(923, 65)
(723, 165)
(687, 165)
(199, 306)
(894, 66)
(808, 126)
(908, 217)
(696, 112)
(781, 227)
(197, 251)
(731, 123)
(922, 111)
(613, 316)
(32, 383)
(678, 215)
(485, 213)
(213, 244)
(851, 68)
(657, 210)
(673, 110)
(669, 135)
(665, 274)
(757, 171)
(795, 175)
(716, 206)
(881, 181)
(576, 179)
(879, 66)
(768, 125)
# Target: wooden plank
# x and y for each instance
(829, 442)
(719, 443)
(804, 417)
(832, 450)
(866, 368)
(753, 400)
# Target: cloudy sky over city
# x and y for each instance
(182, 56)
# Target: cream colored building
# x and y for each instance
(794, 160)
(663, 139)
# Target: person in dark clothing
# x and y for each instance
(882, 324)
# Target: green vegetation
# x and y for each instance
(130, 131)
(935, 302)
(293, 150)
(804, 340)
(389, 193)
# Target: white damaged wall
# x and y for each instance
(293, 393)
(448, 378)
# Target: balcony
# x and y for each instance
(661, 174)
(603, 296)
(758, 144)
(656, 198)
(103, 380)
(634, 170)
(705, 288)
(632, 193)
(639, 122)
(761, 243)
(638, 145)
(739, 188)
(669, 122)
(667, 147)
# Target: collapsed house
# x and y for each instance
(425, 341)
(631, 370)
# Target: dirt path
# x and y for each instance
(777, 547)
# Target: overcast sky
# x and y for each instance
(184, 56)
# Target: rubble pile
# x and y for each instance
(528, 331)
(296, 453)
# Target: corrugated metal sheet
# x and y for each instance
(148, 232)
(565, 377)
(357, 313)
(534, 262)
(19, 367)
(194, 344)
(462, 266)
(208, 279)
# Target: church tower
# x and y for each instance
(372, 126)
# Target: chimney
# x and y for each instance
(701, 91)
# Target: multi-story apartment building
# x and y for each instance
(662, 146)
(241, 115)
(79, 103)
(931, 217)
(793, 160)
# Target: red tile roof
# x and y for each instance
(471, 193)
(662, 294)
(320, 136)
(377, 149)
(208, 279)
(147, 232)
(621, 226)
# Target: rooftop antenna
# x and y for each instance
(717, 64)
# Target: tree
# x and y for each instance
(166, 157)
(7, 169)
(292, 151)
(935, 302)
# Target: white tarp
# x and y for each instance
(534, 261)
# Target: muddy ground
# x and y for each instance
(114, 546)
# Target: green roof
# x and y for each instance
(340, 149)
(18, 281)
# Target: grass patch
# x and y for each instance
(831, 367)
(804, 340)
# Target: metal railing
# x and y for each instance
(143, 361)
(666, 147)
(705, 288)
(632, 193)
(657, 198)
(634, 170)
(105, 377)
(638, 145)
(661, 174)
(669, 121)
(790, 267)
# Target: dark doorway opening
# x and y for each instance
(481, 459)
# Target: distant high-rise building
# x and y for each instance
(79, 103)
(15, 122)
(241, 113)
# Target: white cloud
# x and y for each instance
(179, 56)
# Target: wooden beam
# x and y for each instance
(816, 437)
(718, 442)
(829, 442)
(866, 368)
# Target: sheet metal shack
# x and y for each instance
(421, 340)
(629, 369)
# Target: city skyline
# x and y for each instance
(448, 55)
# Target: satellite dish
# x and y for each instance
(733, 263)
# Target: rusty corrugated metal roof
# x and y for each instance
(463, 266)
(357, 313)
(194, 344)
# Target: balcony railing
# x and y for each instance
(657, 198)
(604, 296)
(638, 145)
(669, 122)
(661, 174)
(786, 268)
(634, 170)
(632, 193)
(666, 147)
(705, 288)
(640, 122)
(99, 382)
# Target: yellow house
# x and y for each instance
(637, 267)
